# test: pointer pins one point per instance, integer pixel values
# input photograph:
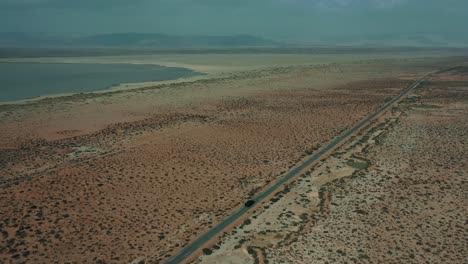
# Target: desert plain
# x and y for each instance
(137, 173)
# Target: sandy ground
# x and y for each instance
(215, 64)
(396, 193)
(138, 174)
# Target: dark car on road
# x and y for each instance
(249, 203)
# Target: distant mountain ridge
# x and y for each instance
(166, 41)
(396, 40)
(131, 40)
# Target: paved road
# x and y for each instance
(200, 241)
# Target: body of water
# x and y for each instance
(28, 80)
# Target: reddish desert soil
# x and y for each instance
(138, 174)
(395, 193)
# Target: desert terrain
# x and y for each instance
(394, 193)
(137, 174)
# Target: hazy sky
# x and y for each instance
(295, 20)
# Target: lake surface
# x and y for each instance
(28, 80)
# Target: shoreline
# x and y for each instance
(108, 89)
(118, 88)
(206, 69)
(210, 66)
